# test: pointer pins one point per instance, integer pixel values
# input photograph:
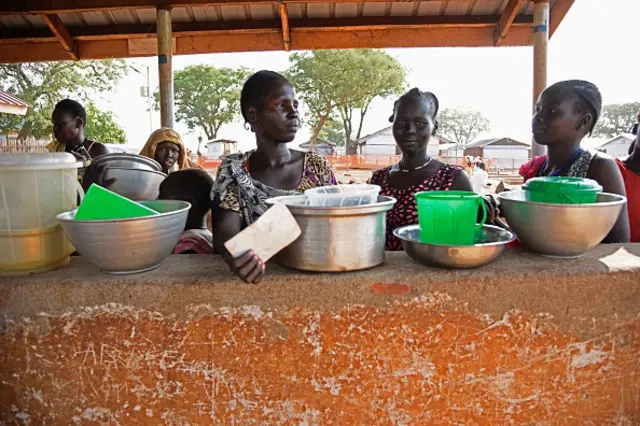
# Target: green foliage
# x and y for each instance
(333, 131)
(207, 97)
(43, 84)
(101, 126)
(343, 83)
(616, 119)
(462, 125)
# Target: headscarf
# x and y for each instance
(165, 134)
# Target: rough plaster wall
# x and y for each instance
(382, 352)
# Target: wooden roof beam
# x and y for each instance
(557, 14)
(286, 34)
(57, 27)
(506, 20)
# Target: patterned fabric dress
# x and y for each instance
(405, 212)
(579, 168)
(237, 191)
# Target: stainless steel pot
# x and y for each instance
(336, 239)
(128, 161)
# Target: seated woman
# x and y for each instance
(245, 181)
(69, 119)
(630, 169)
(193, 186)
(565, 113)
(414, 122)
(166, 147)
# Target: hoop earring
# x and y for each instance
(246, 126)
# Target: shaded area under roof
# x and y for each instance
(45, 30)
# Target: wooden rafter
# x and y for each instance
(57, 27)
(506, 20)
(557, 14)
(286, 34)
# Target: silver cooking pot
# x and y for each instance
(336, 239)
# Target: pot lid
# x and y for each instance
(39, 161)
(562, 184)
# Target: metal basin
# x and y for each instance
(491, 241)
(336, 239)
(135, 184)
(128, 161)
(561, 230)
(128, 246)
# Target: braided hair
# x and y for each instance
(588, 97)
(256, 89)
(427, 97)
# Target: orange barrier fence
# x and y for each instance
(373, 162)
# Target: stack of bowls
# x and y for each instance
(137, 177)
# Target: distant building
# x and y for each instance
(504, 152)
(12, 105)
(616, 147)
(220, 147)
(383, 143)
(322, 146)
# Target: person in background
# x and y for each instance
(630, 169)
(414, 122)
(69, 119)
(245, 181)
(166, 147)
(479, 178)
(193, 186)
(565, 113)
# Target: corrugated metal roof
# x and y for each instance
(266, 12)
(7, 99)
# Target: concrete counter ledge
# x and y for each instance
(524, 341)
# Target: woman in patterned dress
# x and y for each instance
(414, 121)
(245, 181)
(565, 113)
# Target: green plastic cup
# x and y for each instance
(101, 204)
(562, 190)
(449, 217)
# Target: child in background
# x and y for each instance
(193, 186)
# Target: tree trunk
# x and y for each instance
(363, 111)
(346, 114)
(316, 131)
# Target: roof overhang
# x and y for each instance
(47, 30)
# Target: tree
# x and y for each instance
(462, 125)
(616, 119)
(101, 126)
(43, 84)
(333, 130)
(207, 97)
(342, 84)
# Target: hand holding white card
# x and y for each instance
(272, 232)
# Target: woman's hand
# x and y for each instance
(96, 174)
(248, 266)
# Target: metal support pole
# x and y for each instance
(540, 46)
(149, 100)
(165, 52)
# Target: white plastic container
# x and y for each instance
(342, 195)
(34, 189)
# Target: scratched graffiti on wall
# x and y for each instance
(426, 362)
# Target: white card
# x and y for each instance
(273, 231)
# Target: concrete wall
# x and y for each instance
(525, 341)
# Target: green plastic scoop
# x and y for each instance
(101, 204)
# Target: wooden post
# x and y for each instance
(165, 52)
(540, 45)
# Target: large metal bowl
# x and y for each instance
(491, 241)
(336, 239)
(561, 230)
(135, 184)
(128, 161)
(128, 246)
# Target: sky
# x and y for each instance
(597, 41)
